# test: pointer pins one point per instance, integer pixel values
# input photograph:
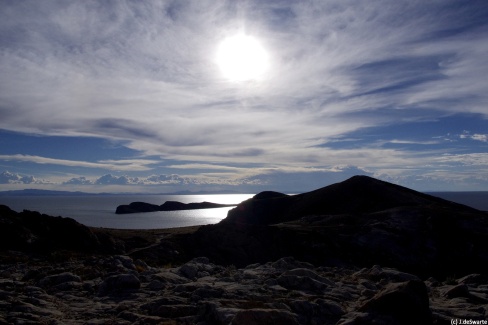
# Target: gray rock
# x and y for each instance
(288, 263)
(167, 276)
(140, 265)
(311, 274)
(136, 318)
(57, 279)
(319, 312)
(201, 260)
(199, 267)
(68, 286)
(6, 284)
(28, 308)
(328, 308)
(301, 283)
(405, 303)
(189, 270)
(207, 292)
(377, 273)
(119, 283)
(125, 261)
(176, 311)
(5, 295)
(218, 315)
(472, 279)
(154, 304)
(264, 316)
(156, 285)
(461, 290)
(304, 308)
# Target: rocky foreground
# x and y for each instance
(118, 290)
(363, 252)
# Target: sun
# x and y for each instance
(241, 58)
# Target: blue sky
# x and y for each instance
(128, 96)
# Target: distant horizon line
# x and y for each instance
(43, 192)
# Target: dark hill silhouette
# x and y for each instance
(32, 231)
(361, 221)
(357, 195)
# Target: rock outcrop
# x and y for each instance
(138, 207)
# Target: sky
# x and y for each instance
(134, 96)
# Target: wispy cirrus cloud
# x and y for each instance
(476, 136)
(122, 165)
(145, 75)
(472, 159)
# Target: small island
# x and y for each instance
(138, 207)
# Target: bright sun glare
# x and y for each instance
(242, 58)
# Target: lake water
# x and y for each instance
(477, 200)
(99, 211)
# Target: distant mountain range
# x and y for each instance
(37, 192)
(475, 199)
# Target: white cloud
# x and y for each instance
(79, 181)
(7, 177)
(203, 166)
(123, 165)
(470, 159)
(145, 73)
(116, 180)
(164, 179)
(480, 137)
(476, 136)
(413, 142)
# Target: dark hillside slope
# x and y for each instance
(361, 221)
(32, 232)
(357, 195)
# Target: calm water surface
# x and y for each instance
(99, 211)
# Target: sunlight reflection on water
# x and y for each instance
(99, 211)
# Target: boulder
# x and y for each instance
(401, 303)
(56, 279)
(264, 316)
(119, 283)
(198, 267)
(460, 290)
(301, 283)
